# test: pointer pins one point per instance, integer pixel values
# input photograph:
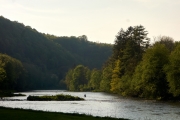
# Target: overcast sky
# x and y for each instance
(99, 20)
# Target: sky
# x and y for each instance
(99, 20)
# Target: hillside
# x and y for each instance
(46, 59)
(88, 53)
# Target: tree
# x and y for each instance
(149, 79)
(115, 81)
(137, 83)
(83, 38)
(173, 71)
(137, 34)
(106, 78)
(68, 78)
(79, 78)
(127, 53)
(167, 41)
(129, 47)
(95, 79)
(11, 71)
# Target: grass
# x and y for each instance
(20, 114)
(59, 97)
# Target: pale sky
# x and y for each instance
(99, 20)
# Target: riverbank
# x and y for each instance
(21, 114)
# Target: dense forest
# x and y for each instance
(33, 60)
(136, 68)
(84, 52)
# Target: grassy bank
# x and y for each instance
(20, 114)
(59, 97)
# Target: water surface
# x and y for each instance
(100, 104)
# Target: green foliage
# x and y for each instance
(167, 41)
(129, 47)
(11, 72)
(59, 97)
(137, 84)
(77, 79)
(79, 76)
(149, 79)
(106, 78)
(127, 53)
(83, 79)
(95, 79)
(69, 78)
(87, 53)
(173, 71)
(115, 81)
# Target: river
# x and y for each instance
(99, 104)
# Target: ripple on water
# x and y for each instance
(74, 103)
(166, 113)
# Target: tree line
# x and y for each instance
(136, 68)
(46, 58)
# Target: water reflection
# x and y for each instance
(100, 104)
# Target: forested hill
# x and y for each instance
(47, 58)
(88, 53)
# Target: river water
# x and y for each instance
(99, 104)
